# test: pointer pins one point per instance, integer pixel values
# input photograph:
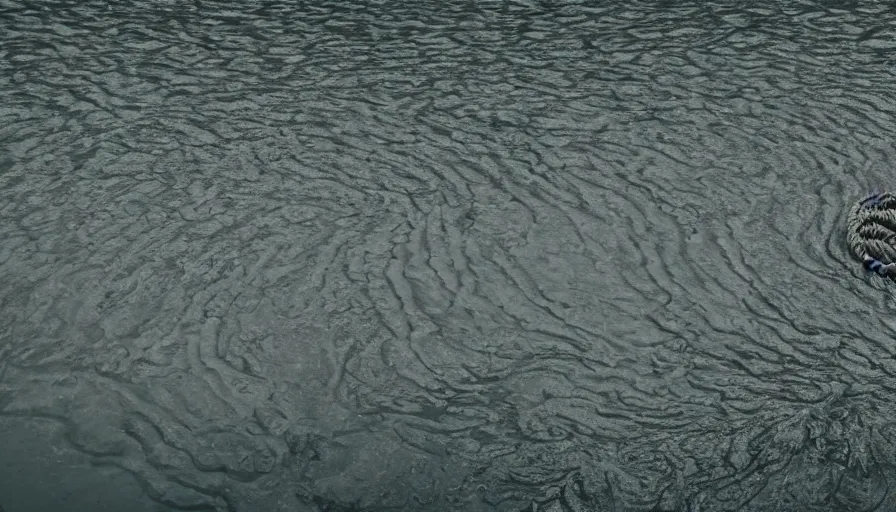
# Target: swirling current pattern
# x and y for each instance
(500, 255)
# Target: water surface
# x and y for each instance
(449, 256)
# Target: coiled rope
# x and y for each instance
(872, 232)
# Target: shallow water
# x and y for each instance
(449, 256)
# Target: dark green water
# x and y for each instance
(443, 256)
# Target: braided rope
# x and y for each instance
(871, 232)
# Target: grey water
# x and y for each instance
(495, 255)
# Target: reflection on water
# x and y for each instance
(440, 256)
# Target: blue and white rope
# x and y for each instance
(871, 232)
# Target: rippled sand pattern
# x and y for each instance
(436, 256)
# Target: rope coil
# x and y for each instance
(872, 232)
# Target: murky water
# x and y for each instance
(449, 256)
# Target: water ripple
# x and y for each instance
(417, 256)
